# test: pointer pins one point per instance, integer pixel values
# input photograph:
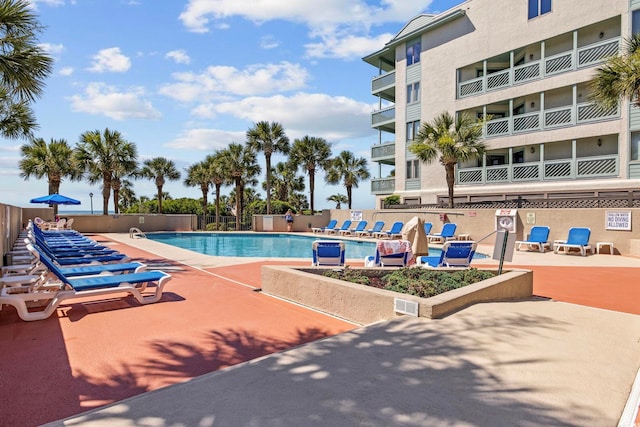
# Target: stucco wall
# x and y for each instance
(479, 223)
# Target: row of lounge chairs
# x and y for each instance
(454, 254)
(538, 240)
(63, 265)
(377, 231)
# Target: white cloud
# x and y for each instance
(52, 49)
(179, 56)
(220, 81)
(339, 28)
(315, 13)
(66, 71)
(206, 139)
(98, 98)
(110, 59)
(269, 42)
(331, 117)
(347, 47)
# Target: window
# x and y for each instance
(413, 169)
(539, 7)
(635, 21)
(413, 52)
(413, 128)
(413, 93)
(635, 145)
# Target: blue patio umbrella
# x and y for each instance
(55, 199)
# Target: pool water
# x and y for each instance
(272, 245)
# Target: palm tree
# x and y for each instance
(348, 169)
(51, 160)
(619, 77)
(241, 165)
(102, 156)
(199, 175)
(284, 181)
(126, 195)
(451, 141)
(127, 167)
(338, 199)
(269, 138)
(23, 67)
(311, 153)
(159, 169)
(218, 172)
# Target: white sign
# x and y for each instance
(356, 215)
(616, 220)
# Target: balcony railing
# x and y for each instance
(582, 113)
(383, 185)
(566, 61)
(382, 82)
(383, 151)
(550, 170)
(383, 116)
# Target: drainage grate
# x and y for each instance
(406, 307)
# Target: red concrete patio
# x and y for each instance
(96, 353)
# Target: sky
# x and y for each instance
(182, 79)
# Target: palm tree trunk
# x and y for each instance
(312, 183)
(106, 192)
(218, 206)
(159, 199)
(268, 162)
(349, 195)
(116, 196)
(238, 203)
(450, 174)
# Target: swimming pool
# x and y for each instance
(273, 245)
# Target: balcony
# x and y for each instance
(383, 185)
(384, 86)
(586, 112)
(384, 119)
(550, 170)
(384, 153)
(548, 66)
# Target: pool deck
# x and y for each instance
(217, 352)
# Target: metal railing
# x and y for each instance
(549, 170)
(565, 61)
(611, 200)
(585, 112)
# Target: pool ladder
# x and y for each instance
(136, 232)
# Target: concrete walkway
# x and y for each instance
(531, 363)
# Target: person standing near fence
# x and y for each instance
(289, 218)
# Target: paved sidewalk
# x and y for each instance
(539, 362)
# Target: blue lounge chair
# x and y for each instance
(67, 288)
(427, 228)
(328, 253)
(394, 231)
(353, 231)
(401, 256)
(448, 233)
(377, 227)
(538, 239)
(578, 238)
(332, 224)
(345, 226)
(454, 254)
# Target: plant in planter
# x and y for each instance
(420, 282)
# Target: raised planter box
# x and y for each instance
(364, 304)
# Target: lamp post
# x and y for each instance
(91, 197)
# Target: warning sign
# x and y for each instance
(617, 220)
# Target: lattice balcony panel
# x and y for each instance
(559, 64)
(598, 167)
(557, 170)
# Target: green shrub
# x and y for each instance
(348, 275)
(427, 283)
